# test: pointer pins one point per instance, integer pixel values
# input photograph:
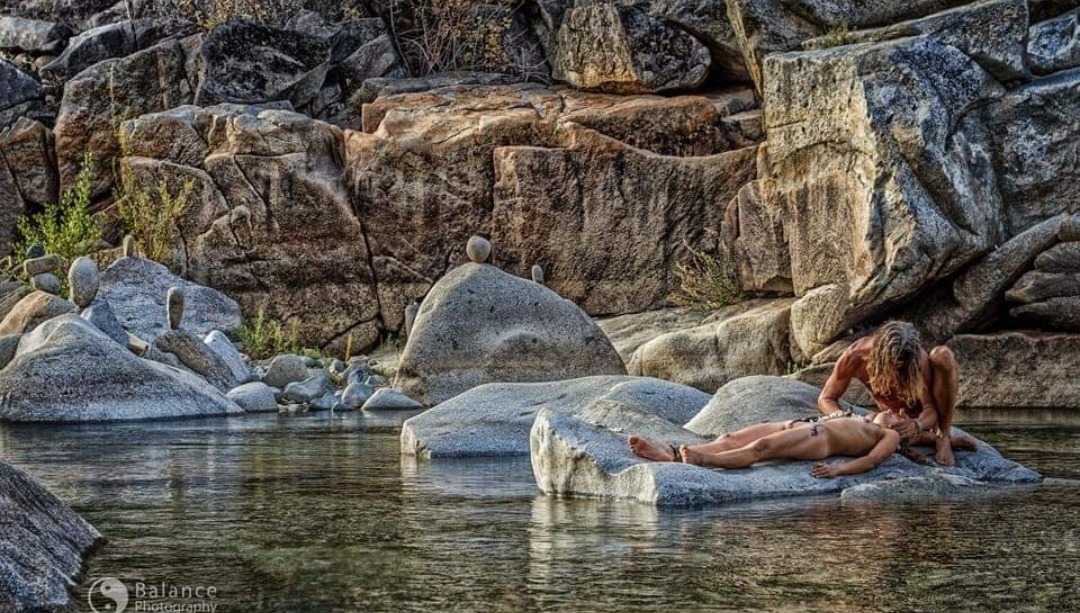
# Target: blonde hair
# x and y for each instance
(895, 362)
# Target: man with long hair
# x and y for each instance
(916, 386)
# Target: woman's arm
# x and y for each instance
(885, 447)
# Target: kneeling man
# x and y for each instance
(917, 388)
(817, 438)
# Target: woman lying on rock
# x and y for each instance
(869, 440)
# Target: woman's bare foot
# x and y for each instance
(689, 456)
(649, 450)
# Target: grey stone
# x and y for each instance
(478, 249)
(1063, 257)
(374, 88)
(756, 341)
(356, 373)
(479, 324)
(1053, 44)
(33, 35)
(43, 264)
(114, 40)
(1017, 370)
(84, 279)
(43, 545)
(9, 343)
(411, 312)
(37, 250)
(1062, 313)
(254, 397)
(247, 62)
(571, 457)
(46, 282)
(1038, 286)
(621, 49)
(20, 94)
(28, 177)
(128, 247)
(494, 419)
(82, 375)
(916, 489)
(330, 401)
(356, 394)
(628, 332)
(376, 381)
(198, 357)
(101, 315)
(174, 307)
(538, 274)
(11, 292)
(32, 310)
(312, 387)
(285, 369)
(754, 400)
(389, 399)
(227, 351)
(136, 288)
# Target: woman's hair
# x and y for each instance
(895, 362)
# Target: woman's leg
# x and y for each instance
(795, 444)
(741, 438)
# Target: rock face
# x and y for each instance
(1017, 369)
(757, 341)
(43, 544)
(1053, 44)
(80, 374)
(20, 94)
(100, 97)
(136, 290)
(494, 419)
(479, 325)
(573, 458)
(248, 62)
(628, 332)
(622, 49)
(28, 176)
(114, 40)
(34, 35)
(270, 222)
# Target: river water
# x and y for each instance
(319, 513)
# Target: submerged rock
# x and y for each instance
(80, 374)
(254, 397)
(480, 325)
(494, 419)
(387, 399)
(43, 544)
(304, 392)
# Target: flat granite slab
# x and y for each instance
(572, 458)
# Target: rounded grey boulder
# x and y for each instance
(389, 399)
(46, 282)
(480, 325)
(356, 395)
(84, 279)
(311, 388)
(285, 369)
(254, 397)
(478, 249)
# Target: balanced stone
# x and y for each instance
(43, 264)
(35, 251)
(410, 317)
(478, 249)
(83, 281)
(174, 304)
(129, 246)
(538, 274)
(46, 282)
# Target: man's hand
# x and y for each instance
(821, 470)
(906, 429)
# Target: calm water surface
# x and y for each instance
(318, 513)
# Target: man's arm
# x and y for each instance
(829, 399)
(884, 448)
(928, 418)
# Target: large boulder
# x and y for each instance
(198, 357)
(136, 289)
(754, 400)
(1053, 44)
(480, 325)
(248, 62)
(270, 221)
(80, 374)
(114, 40)
(43, 545)
(20, 94)
(883, 175)
(99, 98)
(708, 21)
(571, 457)
(754, 342)
(1034, 136)
(628, 332)
(28, 178)
(1016, 369)
(621, 49)
(493, 420)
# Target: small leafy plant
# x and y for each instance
(150, 216)
(836, 37)
(264, 337)
(65, 228)
(705, 281)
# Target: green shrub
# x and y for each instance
(264, 337)
(835, 37)
(151, 217)
(705, 281)
(65, 228)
